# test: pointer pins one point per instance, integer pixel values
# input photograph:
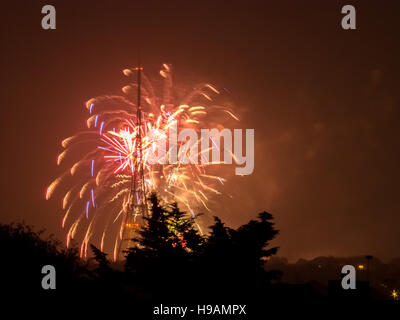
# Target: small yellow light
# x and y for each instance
(395, 294)
(360, 267)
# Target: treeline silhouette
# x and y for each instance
(170, 261)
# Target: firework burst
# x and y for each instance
(97, 187)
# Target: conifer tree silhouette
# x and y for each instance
(101, 258)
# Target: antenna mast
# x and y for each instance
(137, 206)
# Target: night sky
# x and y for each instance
(324, 103)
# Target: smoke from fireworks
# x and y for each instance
(98, 186)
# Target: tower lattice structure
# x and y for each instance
(137, 206)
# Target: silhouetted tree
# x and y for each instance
(219, 248)
(24, 253)
(252, 239)
(155, 235)
(246, 245)
(164, 249)
(101, 258)
(233, 260)
(167, 232)
(185, 235)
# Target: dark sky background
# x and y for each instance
(324, 103)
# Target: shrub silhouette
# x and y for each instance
(24, 253)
